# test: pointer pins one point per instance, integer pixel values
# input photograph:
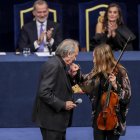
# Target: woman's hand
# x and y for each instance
(111, 29)
(112, 79)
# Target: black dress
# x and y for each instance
(123, 34)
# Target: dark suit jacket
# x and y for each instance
(28, 35)
(54, 90)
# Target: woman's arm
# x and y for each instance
(124, 88)
(99, 28)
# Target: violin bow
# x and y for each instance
(119, 57)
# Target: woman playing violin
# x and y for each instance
(97, 82)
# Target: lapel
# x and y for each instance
(49, 25)
(64, 75)
(34, 30)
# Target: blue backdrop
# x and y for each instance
(19, 82)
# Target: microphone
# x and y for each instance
(78, 101)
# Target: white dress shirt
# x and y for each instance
(36, 45)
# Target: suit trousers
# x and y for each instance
(52, 135)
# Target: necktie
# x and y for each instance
(41, 46)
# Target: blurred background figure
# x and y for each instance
(40, 34)
(111, 29)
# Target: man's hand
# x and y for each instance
(49, 34)
(41, 38)
(70, 105)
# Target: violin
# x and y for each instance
(107, 118)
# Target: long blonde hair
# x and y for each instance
(104, 60)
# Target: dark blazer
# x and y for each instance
(28, 35)
(54, 90)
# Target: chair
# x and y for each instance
(139, 23)
(88, 15)
(23, 14)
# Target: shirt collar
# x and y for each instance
(39, 23)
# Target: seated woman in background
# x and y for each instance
(110, 29)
